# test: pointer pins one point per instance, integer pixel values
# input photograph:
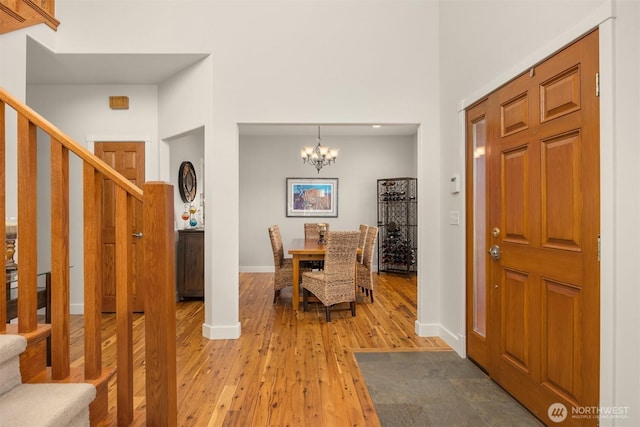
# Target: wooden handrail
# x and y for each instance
(10, 10)
(158, 249)
(70, 144)
(46, 10)
(17, 14)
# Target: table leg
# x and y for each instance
(295, 295)
(355, 282)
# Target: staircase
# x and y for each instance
(32, 393)
(37, 405)
(17, 14)
(158, 404)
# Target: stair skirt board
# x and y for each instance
(58, 404)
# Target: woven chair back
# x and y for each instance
(340, 255)
(312, 231)
(276, 245)
(363, 235)
(367, 252)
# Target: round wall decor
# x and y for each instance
(187, 182)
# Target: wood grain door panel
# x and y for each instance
(561, 370)
(516, 328)
(561, 189)
(128, 159)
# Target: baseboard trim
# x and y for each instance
(437, 330)
(224, 332)
(76, 308)
(256, 269)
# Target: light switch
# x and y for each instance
(454, 217)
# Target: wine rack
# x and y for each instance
(397, 225)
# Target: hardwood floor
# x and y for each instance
(285, 370)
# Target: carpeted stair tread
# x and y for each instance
(10, 348)
(44, 405)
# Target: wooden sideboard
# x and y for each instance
(43, 293)
(190, 280)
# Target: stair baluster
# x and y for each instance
(158, 248)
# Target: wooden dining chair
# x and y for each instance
(283, 266)
(363, 237)
(364, 271)
(336, 283)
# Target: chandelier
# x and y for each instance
(320, 155)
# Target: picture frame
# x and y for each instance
(312, 197)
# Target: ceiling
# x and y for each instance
(284, 129)
(47, 67)
(44, 67)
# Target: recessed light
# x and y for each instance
(376, 126)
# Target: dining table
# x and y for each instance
(304, 250)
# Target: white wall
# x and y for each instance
(83, 113)
(13, 51)
(266, 162)
(275, 62)
(396, 62)
(620, 349)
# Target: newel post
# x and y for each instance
(160, 306)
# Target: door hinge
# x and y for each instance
(599, 247)
(597, 84)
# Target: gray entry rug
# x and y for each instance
(436, 388)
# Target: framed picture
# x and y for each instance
(312, 197)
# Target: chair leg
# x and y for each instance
(371, 295)
(353, 308)
(276, 294)
(305, 301)
(328, 308)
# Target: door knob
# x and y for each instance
(494, 251)
(137, 235)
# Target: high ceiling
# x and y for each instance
(285, 129)
(48, 68)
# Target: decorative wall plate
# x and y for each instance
(187, 182)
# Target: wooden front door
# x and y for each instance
(128, 159)
(542, 227)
